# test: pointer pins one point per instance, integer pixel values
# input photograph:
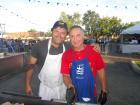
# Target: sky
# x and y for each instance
(23, 15)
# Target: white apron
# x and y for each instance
(51, 85)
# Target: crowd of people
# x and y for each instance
(17, 45)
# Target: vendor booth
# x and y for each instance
(130, 40)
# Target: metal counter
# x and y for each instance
(10, 63)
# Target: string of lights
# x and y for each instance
(17, 15)
(39, 11)
(58, 3)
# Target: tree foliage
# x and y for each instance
(70, 19)
(110, 26)
(106, 26)
(95, 25)
(48, 34)
(32, 30)
(91, 22)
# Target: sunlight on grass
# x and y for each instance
(138, 63)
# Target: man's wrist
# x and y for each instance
(28, 85)
(104, 90)
(70, 85)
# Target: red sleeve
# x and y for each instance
(100, 63)
(66, 63)
(96, 59)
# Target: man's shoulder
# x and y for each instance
(92, 48)
(41, 44)
(38, 47)
(68, 52)
(44, 42)
(67, 55)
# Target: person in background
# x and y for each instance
(79, 67)
(46, 55)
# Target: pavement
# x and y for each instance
(123, 80)
(131, 58)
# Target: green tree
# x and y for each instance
(76, 18)
(104, 26)
(91, 22)
(70, 19)
(110, 26)
(127, 25)
(115, 26)
(48, 34)
(32, 30)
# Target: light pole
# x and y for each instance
(2, 26)
(2, 29)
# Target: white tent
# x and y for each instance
(132, 30)
(127, 35)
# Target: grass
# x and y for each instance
(138, 63)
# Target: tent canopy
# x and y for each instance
(132, 30)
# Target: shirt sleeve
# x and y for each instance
(100, 62)
(65, 65)
(34, 50)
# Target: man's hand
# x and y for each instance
(28, 90)
(70, 95)
(96, 47)
(102, 98)
(28, 77)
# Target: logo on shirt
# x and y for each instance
(86, 99)
(80, 69)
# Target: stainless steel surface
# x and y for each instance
(85, 104)
(76, 103)
(10, 63)
(26, 100)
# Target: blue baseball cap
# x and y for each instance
(60, 24)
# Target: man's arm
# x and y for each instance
(67, 81)
(102, 99)
(102, 78)
(29, 74)
(70, 92)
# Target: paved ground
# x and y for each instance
(123, 82)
